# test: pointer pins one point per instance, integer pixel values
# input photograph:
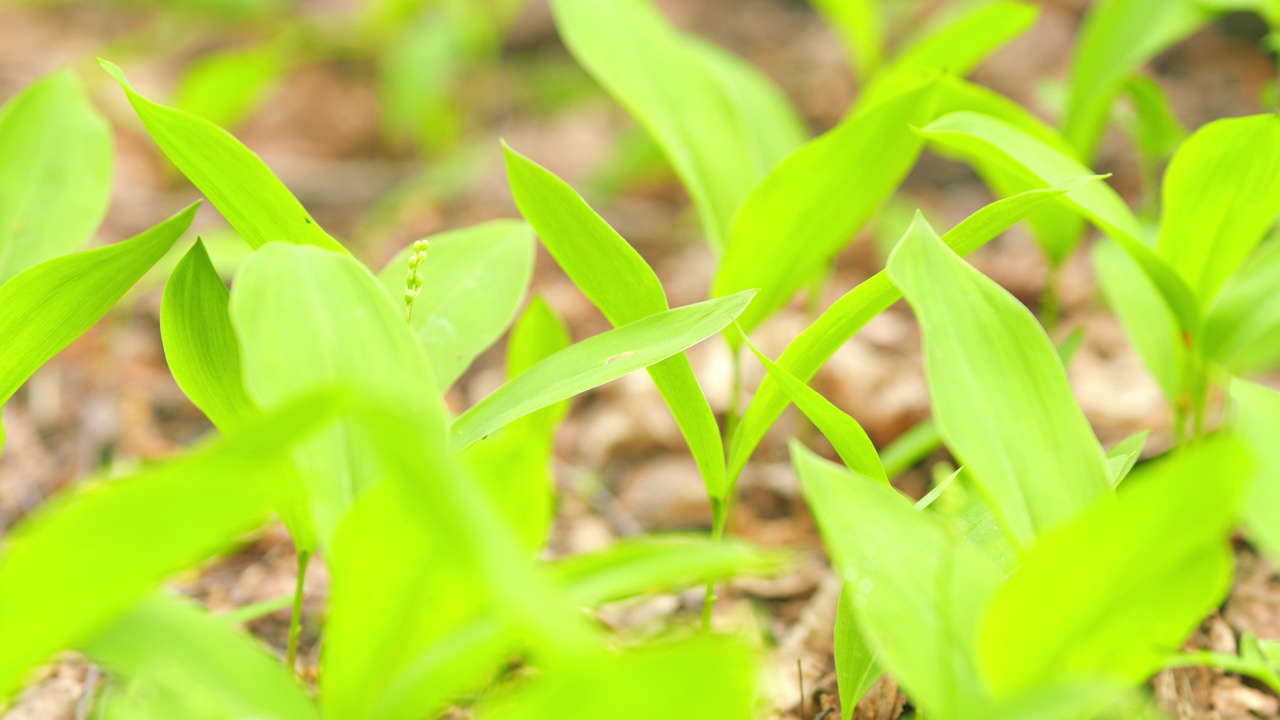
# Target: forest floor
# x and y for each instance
(109, 401)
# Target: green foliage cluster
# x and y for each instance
(1045, 577)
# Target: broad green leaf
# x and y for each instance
(1259, 426)
(841, 430)
(708, 678)
(789, 229)
(400, 644)
(55, 172)
(181, 661)
(1057, 226)
(856, 668)
(473, 283)
(515, 464)
(962, 505)
(1145, 316)
(80, 561)
(634, 567)
(1220, 196)
(1033, 451)
(1122, 457)
(840, 322)
(991, 142)
(623, 286)
(861, 27)
(666, 82)
(52, 303)
(916, 593)
(305, 319)
(1156, 129)
(958, 46)
(199, 343)
(236, 181)
(224, 87)
(595, 361)
(774, 126)
(390, 564)
(1117, 38)
(1243, 320)
(1156, 559)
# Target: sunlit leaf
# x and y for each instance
(595, 361)
(1243, 323)
(180, 661)
(224, 87)
(199, 343)
(52, 303)
(840, 322)
(474, 280)
(1119, 36)
(1220, 195)
(788, 230)
(1145, 316)
(95, 552)
(1033, 451)
(1157, 558)
(305, 319)
(55, 172)
(236, 181)
(916, 592)
(988, 141)
(1259, 425)
(681, 99)
(861, 27)
(706, 678)
(623, 286)
(841, 430)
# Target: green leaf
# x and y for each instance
(595, 361)
(1146, 317)
(1242, 323)
(855, 659)
(1033, 451)
(625, 289)
(1111, 594)
(515, 464)
(400, 644)
(916, 592)
(225, 86)
(841, 430)
(861, 27)
(1156, 129)
(1122, 457)
(634, 567)
(307, 318)
(1117, 38)
(788, 230)
(706, 678)
(80, 561)
(1259, 426)
(50, 304)
(199, 343)
(840, 322)
(989, 142)
(236, 181)
(666, 82)
(1221, 194)
(181, 661)
(474, 280)
(958, 46)
(55, 172)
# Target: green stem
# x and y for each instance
(295, 621)
(734, 415)
(719, 518)
(1050, 304)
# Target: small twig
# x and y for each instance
(804, 712)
